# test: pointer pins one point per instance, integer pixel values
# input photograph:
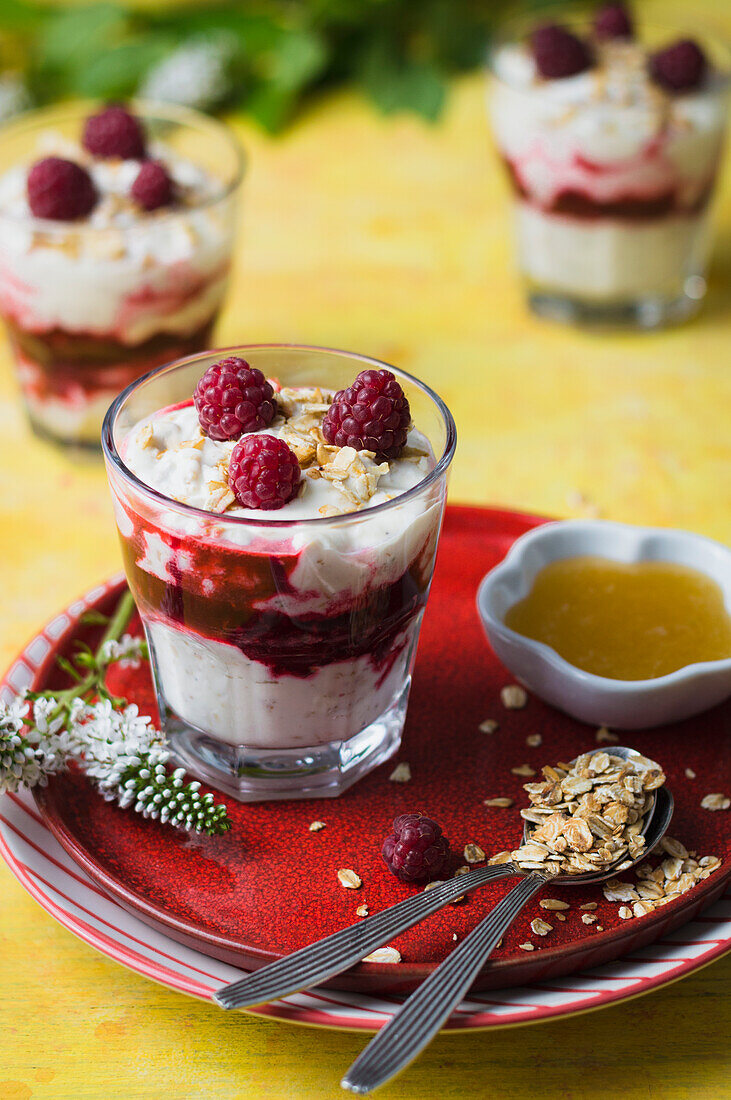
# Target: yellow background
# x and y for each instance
(390, 238)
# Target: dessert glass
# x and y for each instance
(281, 650)
(613, 183)
(89, 308)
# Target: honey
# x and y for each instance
(625, 621)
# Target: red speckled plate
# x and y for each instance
(269, 886)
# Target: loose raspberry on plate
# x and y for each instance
(679, 67)
(153, 186)
(232, 398)
(558, 53)
(613, 21)
(263, 472)
(60, 189)
(371, 415)
(114, 132)
(415, 851)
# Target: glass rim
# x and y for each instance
(516, 28)
(112, 455)
(146, 109)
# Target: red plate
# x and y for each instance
(269, 886)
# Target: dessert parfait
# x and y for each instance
(117, 231)
(612, 142)
(279, 511)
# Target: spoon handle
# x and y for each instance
(421, 1016)
(318, 961)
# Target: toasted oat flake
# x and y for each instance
(715, 802)
(473, 853)
(588, 918)
(489, 726)
(499, 858)
(527, 946)
(499, 803)
(625, 912)
(524, 770)
(589, 905)
(463, 870)
(641, 908)
(401, 773)
(689, 773)
(533, 740)
(605, 735)
(383, 955)
(619, 891)
(315, 826)
(674, 848)
(541, 927)
(553, 903)
(349, 879)
(587, 815)
(362, 911)
(559, 916)
(513, 697)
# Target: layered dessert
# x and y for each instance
(283, 600)
(115, 258)
(612, 150)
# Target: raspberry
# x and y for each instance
(371, 415)
(613, 21)
(558, 53)
(233, 398)
(114, 132)
(416, 849)
(153, 186)
(60, 189)
(263, 472)
(679, 67)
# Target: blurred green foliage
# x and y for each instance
(266, 57)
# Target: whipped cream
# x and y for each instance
(121, 273)
(557, 133)
(170, 453)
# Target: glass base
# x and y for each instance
(81, 448)
(642, 313)
(261, 775)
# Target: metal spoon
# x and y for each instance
(414, 1025)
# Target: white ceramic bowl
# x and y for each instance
(623, 704)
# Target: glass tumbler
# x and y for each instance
(281, 650)
(89, 307)
(613, 178)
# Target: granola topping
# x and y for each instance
(588, 816)
(170, 452)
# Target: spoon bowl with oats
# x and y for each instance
(588, 820)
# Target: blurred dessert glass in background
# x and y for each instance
(117, 230)
(612, 137)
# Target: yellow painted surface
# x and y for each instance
(391, 238)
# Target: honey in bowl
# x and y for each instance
(625, 621)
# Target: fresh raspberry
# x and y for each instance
(153, 186)
(233, 398)
(679, 67)
(114, 132)
(558, 53)
(416, 850)
(613, 21)
(60, 189)
(263, 472)
(371, 415)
